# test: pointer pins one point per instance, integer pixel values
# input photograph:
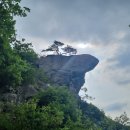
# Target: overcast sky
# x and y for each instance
(96, 27)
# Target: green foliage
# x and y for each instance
(25, 51)
(69, 50)
(90, 110)
(17, 58)
(12, 66)
(123, 119)
(98, 117)
(28, 116)
(56, 109)
(54, 47)
(64, 98)
(9, 9)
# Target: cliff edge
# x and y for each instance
(68, 70)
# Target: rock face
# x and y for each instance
(61, 70)
(68, 70)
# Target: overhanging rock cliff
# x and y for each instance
(68, 70)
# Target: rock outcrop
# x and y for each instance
(61, 71)
(68, 70)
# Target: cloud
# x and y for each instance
(124, 82)
(77, 20)
(123, 56)
(116, 107)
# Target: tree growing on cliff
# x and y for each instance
(69, 50)
(58, 43)
(54, 47)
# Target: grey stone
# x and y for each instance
(68, 70)
(25, 92)
(9, 97)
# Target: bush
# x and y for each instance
(53, 109)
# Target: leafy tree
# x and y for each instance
(63, 98)
(9, 9)
(12, 66)
(84, 95)
(27, 116)
(67, 102)
(32, 74)
(123, 119)
(25, 51)
(58, 43)
(54, 47)
(69, 50)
